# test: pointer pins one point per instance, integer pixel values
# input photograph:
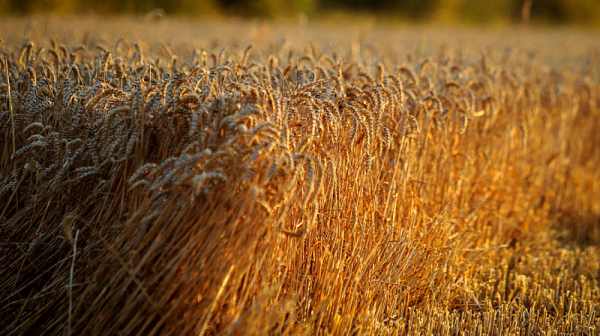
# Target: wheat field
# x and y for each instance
(215, 178)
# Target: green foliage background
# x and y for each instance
(579, 12)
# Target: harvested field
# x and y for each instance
(216, 178)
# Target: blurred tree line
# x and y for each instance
(586, 12)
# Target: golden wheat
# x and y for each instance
(303, 190)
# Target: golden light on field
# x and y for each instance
(272, 178)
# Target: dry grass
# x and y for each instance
(298, 189)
